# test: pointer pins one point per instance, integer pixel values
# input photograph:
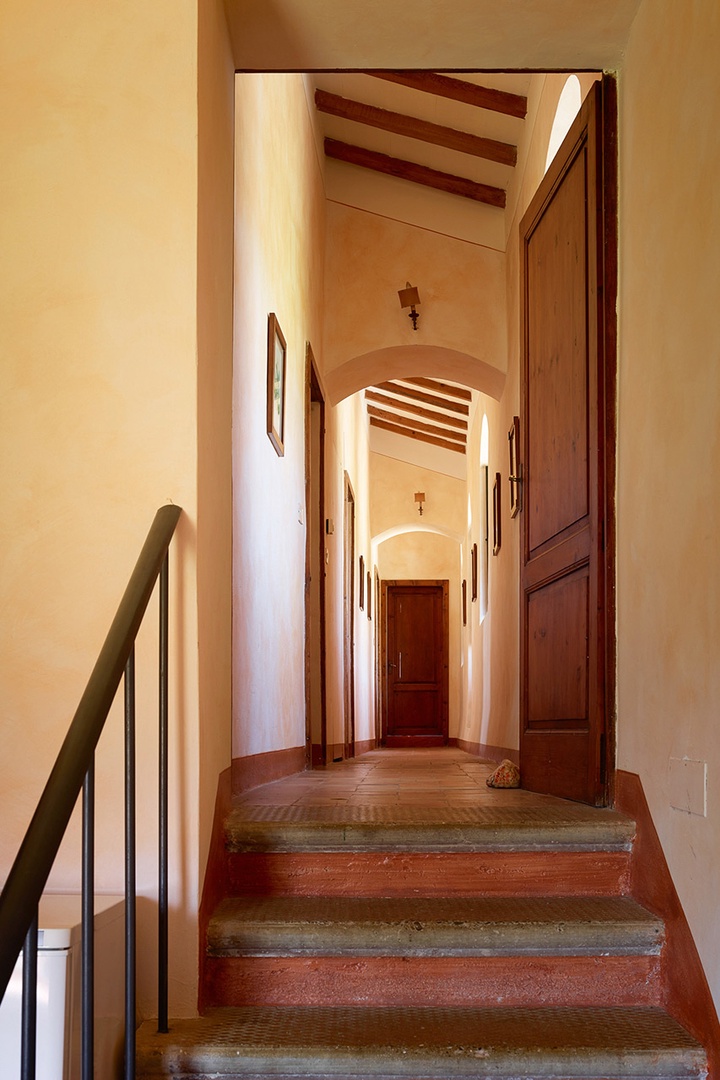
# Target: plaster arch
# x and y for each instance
(403, 361)
(420, 527)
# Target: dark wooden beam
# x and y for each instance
(427, 399)
(415, 410)
(483, 97)
(412, 128)
(416, 425)
(417, 174)
(442, 388)
(457, 447)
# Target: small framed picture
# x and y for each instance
(276, 368)
(361, 584)
(464, 602)
(369, 595)
(497, 503)
(515, 477)
(474, 573)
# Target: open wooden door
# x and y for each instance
(568, 263)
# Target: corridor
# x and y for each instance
(413, 799)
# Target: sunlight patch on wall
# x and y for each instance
(567, 109)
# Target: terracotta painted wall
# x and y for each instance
(669, 452)
(101, 353)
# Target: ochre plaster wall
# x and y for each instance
(216, 79)
(279, 266)
(99, 404)
(668, 447)
(279, 250)
(461, 286)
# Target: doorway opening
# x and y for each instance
(415, 631)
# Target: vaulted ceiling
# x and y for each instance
(457, 135)
(431, 149)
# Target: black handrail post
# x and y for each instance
(29, 1002)
(130, 869)
(88, 925)
(163, 806)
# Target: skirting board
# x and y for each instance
(336, 752)
(255, 769)
(686, 994)
(489, 752)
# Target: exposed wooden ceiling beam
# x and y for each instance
(416, 425)
(483, 97)
(442, 388)
(428, 399)
(415, 410)
(444, 443)
(418, 174)
(412, 128)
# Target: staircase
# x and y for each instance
(489, 940)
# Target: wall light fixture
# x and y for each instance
(409, 297)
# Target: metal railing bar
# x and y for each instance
(130, 869)
(26, 881)
(163, 806)
(28, 1037)
(87, 1046)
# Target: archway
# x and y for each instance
(400, 361)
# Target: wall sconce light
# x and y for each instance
(420, 499)
(409, 297)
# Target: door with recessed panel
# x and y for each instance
(567, 615)
(415, 651)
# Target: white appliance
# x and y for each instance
(59, 992)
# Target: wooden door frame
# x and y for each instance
(348, 620)
(385, 586)
(313, 393)
(377, 656)
(606, 311)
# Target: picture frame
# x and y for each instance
(464, 602)
(276, 371)
(515, 477)
(361, 584)
(474, 573)
(369, 595)
(497, 522)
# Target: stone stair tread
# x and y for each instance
(321, 925)
(551, 826)
(422, 1043)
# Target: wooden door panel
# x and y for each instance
(558, 361)
(418, 635)
(557, 655)
(562, 766)
(416, 711)
(568, 288)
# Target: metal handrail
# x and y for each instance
(25, 883)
